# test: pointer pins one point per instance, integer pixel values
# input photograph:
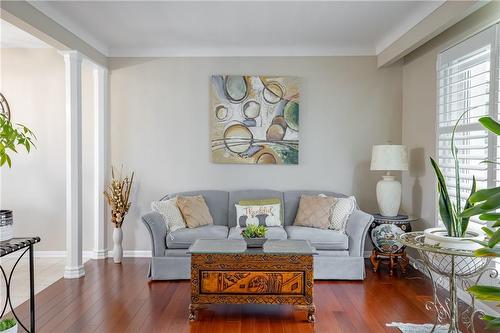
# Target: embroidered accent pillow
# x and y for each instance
(195, 211)
(267, 215)
(170, 212)
(267, 201)
(314, 211)
(341, 211)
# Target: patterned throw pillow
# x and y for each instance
(268, 215)
(314, 211)
(195, 211)
(170, 212)
(341, 211)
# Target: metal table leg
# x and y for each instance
(32, 290)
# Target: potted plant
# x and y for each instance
(254, 235)
(454, 221)
(118, 194)
(485, 204)
(8, 326)
(12, 136)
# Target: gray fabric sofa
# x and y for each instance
(340, 256)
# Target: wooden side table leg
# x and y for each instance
(375, 261)
(391, 265)
(193, 312)
(311, 311)
(404, 262)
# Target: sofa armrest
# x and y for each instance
(158, 231)
(357, 228)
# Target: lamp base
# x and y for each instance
(388, 196)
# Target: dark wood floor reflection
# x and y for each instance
(119, 298)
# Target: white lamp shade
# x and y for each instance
(389, 157)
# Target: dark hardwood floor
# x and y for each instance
(119, 298)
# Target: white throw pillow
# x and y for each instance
(270, 215)
(341, 211)
(170, 212)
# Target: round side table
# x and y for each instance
(384, 232)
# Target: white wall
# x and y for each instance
(32, 80)
(419, 113)
(160, 127)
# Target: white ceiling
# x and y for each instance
(13, 37)
(237, 28)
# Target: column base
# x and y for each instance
(73, 272)
(99, 254)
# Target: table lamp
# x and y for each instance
(389, 158)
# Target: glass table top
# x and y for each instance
(239, 246)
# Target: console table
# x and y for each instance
(227, 272)
(11, 246)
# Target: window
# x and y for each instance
(468, 83)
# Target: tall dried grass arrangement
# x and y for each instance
(118, 193)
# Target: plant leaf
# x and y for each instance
(489, 217)
(492, 322)
(445, 207)
(487, 252)
(468, 204)
(494, 239)
(486, 293)
(483, 195)
(490, 124)
(488, 231)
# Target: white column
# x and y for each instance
(74, 265)
(100, 160)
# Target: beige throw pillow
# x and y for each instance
(314, 211)
(195, 211)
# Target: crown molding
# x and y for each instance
(239, 52)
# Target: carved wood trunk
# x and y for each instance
(252, 278)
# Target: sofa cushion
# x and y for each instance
(183, 238)
(271, 233)
(321, 239)
(215, 200)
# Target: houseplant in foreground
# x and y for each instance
(451, 212)
(486, 204)
(8, 326)
(118, 194)
(12, 136)
(254, 235)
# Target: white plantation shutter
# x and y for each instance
(467, 76)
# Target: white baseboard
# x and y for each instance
(133, 254)
(94, 254)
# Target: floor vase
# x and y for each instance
(117, 247)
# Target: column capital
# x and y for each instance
(71, 56)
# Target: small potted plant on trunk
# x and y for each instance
(254, 235)
(118, 194)
(455, 223)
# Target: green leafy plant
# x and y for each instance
(485, 203)
(6, 324)
(451, 213)
(11, 136)
(254, 231)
